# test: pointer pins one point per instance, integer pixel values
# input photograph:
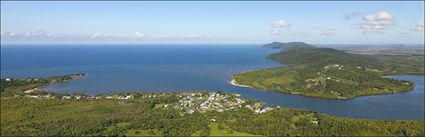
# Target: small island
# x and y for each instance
(42, 113)
(331, 73)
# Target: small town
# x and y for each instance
(187, 102)
(201, 102)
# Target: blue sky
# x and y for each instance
(212, 22)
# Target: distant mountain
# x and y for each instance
(288, 46)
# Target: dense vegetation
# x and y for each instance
(21, 116)
(288, 46)
(330, 73)
(292, 122)
(14, 86)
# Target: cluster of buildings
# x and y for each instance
(78, 97)
(47, 96)
(201, 102)
(112, 96)
(336, 66)
(187, 102)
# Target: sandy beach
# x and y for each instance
(30, 90)
(234, 83)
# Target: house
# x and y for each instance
(129, 97)
(8, 79)
(315, 121)
(190, 111)
(66, 97)
(32, 96)
(77, 97)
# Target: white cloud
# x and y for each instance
(107, 35)
(351, 15)
(419, 26)
(136, 36)
(278, 26)
(27, 34)
(98, 35)
(376, 22)
(37, 33)
(139, 34)
(192, 36)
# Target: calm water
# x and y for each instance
(167, 68)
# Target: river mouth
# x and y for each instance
(182, 68)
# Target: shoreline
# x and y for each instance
(234, 83)
(31, 90)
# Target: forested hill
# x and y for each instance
(331, 73)
(322, 57)
(288, 46)
(299, 53)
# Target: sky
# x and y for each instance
(79, 22)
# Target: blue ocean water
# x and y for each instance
(168, 68)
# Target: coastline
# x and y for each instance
(234, 83)
(31, 90)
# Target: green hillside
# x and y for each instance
(330, 73)
(17, 86)
(288, 46)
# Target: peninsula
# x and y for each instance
(331, 73)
